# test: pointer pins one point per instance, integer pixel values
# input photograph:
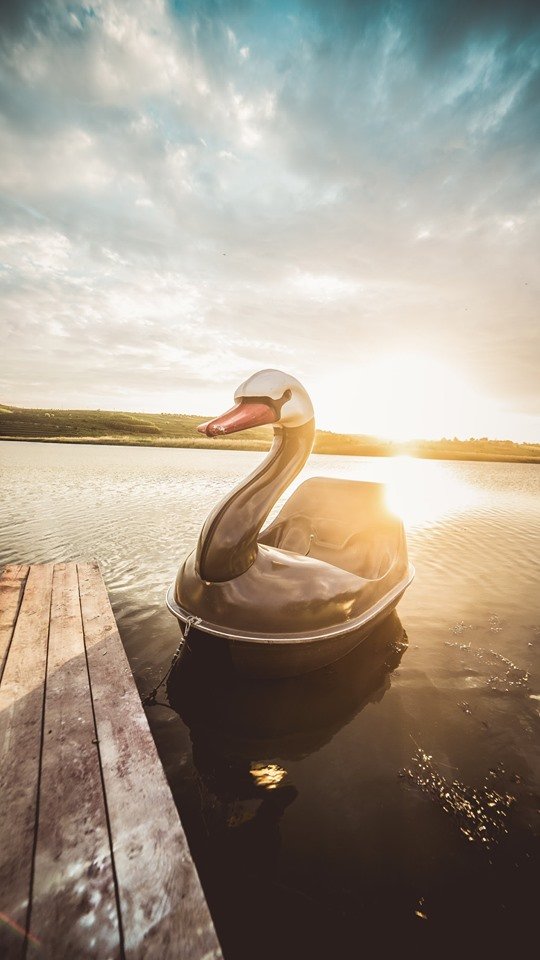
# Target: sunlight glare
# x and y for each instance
(423, 491)
(401, 397)
(268, 775)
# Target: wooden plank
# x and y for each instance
(21, 708)
(12, 586)
(164, 913)
(74, 910)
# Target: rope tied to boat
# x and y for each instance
(150, 699)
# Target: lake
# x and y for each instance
(392, 799)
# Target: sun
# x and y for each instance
(403, 396)
(416, 396)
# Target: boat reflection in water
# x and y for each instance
(246, 732)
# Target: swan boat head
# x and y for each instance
(306, 589)
(269, 396)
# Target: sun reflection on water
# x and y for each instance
(421, 496)
(268, 775)
(419, 491)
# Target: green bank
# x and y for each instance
(180, 430)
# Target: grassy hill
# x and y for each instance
(180, 430)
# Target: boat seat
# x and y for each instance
(342, 522)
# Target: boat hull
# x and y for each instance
(266, 657)
(290, 659)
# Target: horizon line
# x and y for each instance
(202, 417)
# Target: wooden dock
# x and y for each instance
(94, 862)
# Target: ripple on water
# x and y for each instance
(472, 534)
(480, 813)
(510, 677)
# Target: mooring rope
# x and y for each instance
(150, 699)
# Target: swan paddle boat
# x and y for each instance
(317, 580)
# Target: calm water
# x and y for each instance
(393, 798)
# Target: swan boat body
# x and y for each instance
(304, 591)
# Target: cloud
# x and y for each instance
(191, 191)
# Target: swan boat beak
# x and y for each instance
(242, 416)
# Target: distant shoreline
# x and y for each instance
(205, 443)
(119, 428)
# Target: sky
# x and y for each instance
(347, 191)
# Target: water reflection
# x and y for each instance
(244, 732)
(421, 494)
(268, 775)
(358, 843)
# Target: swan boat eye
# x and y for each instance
(271, 402)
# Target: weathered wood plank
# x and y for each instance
(21, 709)
(12, 586)
(74, 910)
(164, 913)
(12, 571)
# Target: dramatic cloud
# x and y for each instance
(191, 191)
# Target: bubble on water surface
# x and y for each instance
(458, 646)
(513, 675)
(398, 646)
(461, 627)
(420, 910)
(481, 813)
